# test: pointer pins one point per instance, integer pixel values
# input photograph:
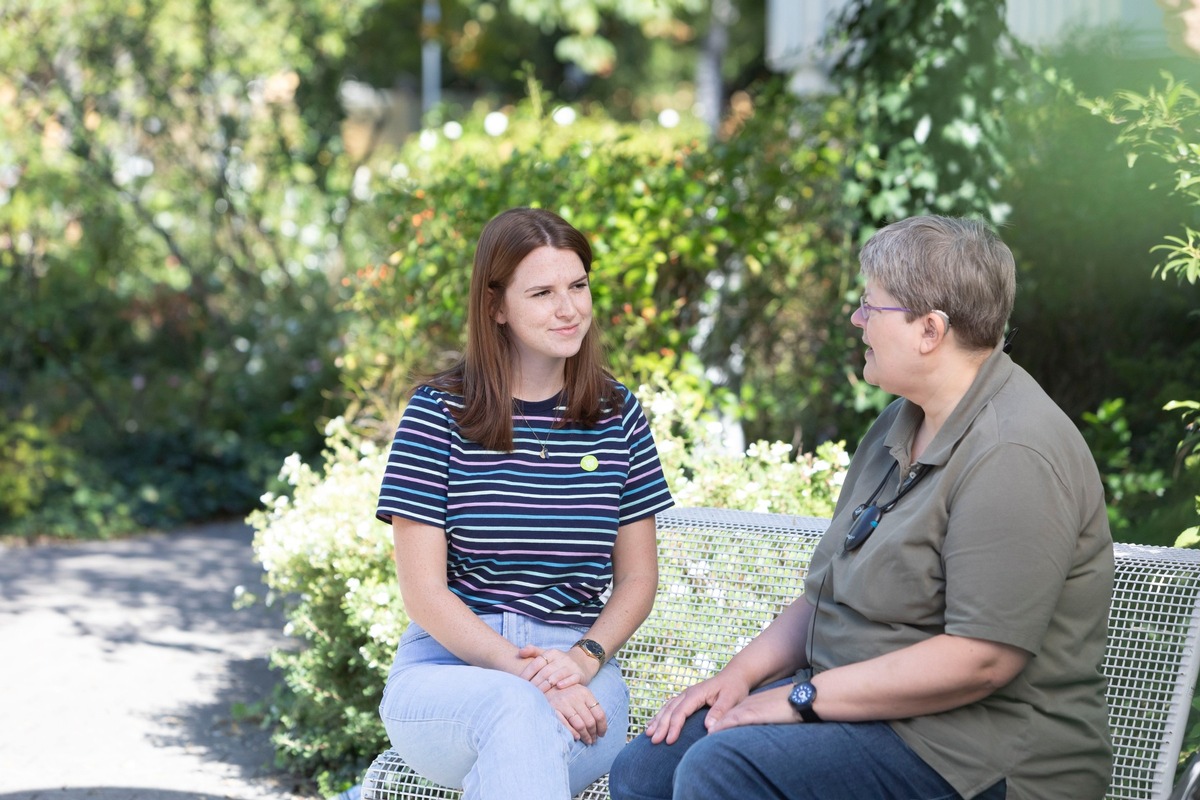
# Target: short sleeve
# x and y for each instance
(1009, 547)
(646, 491)
(415, 479)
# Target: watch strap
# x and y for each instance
(808, 715)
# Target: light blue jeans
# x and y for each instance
(490, 733)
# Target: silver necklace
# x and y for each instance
(520, 410)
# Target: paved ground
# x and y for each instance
(120, 663)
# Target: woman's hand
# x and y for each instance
(580, 711)
(768, 707)
(553, 669)
(720, 693)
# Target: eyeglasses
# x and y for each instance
(866, 517)
(867, 308)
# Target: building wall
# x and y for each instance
(796, 29)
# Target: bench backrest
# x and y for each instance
(725, 574)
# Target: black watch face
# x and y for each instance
(803, 694)
(593, 648)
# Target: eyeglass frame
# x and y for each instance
(867, 309)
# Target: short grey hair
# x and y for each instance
(948, 264)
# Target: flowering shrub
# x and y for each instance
(704, 471)
(330, 562)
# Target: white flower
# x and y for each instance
(495, 123)
(921, 134)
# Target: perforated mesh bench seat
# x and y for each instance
(725, 574)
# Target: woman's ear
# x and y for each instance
(497, 307)
(932, 332)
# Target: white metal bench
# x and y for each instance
(725, 574)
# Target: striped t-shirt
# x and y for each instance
(525, 534)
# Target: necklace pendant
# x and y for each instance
(543, 452)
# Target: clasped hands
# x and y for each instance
(563, 679)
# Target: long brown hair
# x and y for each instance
(482, 375)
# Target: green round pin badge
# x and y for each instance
(589, 463)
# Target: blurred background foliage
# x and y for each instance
(209, 247)
(226, 225)
(708, 265)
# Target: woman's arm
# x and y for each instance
(929, 677)
(421, 569)
(779, 650)
(635, 582)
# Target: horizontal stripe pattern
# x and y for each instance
(525, 534)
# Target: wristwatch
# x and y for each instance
(592, 648)
(802, 698)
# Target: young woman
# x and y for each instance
(521, 488)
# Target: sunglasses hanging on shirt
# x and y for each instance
(867, 515)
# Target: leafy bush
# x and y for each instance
(49, 490)
(169, 227)
(1109, 437)
(328, 561)
(28, 463)
(1163, 124)
(726, 260)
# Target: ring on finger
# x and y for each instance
(593, 705)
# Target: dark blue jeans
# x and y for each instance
(816, 761)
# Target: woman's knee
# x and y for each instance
(631, 773)
(714, 767)
(473, 711)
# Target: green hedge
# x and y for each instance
(727, 262)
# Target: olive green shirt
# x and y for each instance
(1004, 539)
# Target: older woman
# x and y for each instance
(949, 637)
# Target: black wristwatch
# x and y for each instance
(592, 648)
(802, 698)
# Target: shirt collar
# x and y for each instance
(993, 374)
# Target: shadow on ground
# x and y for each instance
(142, 661)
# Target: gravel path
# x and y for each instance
(120, 663)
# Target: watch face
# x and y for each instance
(803, 695)
(592, 648)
